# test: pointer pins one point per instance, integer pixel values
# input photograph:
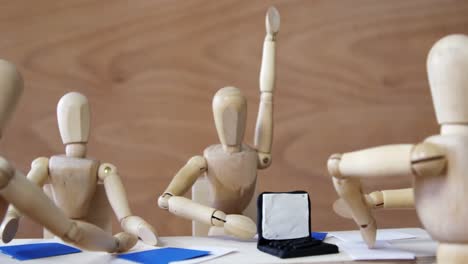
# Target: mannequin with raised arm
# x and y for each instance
(229, 170)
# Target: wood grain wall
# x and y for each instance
(351, 74)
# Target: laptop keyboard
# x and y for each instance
(294, 244)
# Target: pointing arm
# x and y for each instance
(420, 160)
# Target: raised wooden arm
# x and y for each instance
(264, 126)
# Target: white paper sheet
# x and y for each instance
(215, 252)
(247, 252)
(382, 250)
(382, 235)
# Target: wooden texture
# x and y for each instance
(350, 75)
(73, 183)
(400, 198)
(387, 199)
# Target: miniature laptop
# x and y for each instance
(284, 226)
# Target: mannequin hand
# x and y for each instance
(139, 227)
(240, 226)
(341, 208)
(125, 241)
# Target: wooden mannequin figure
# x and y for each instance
(229, 168)
(438, 164)
(78, 185)
(29, 198)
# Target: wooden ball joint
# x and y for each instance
(83, 188)
(438, 164)
(223, 197)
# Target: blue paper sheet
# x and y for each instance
(39, 250)
(319, 235)
(163, 255)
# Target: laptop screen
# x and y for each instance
(285, 216)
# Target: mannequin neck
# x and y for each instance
(76, 150)
(454, 129)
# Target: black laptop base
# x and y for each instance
(294, 248)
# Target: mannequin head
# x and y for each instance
(230, 114)
(73, 120)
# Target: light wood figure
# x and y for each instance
(229, 169)
(438, 164)
(82, 188)
(29, 198)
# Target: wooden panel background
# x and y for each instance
(351, 74)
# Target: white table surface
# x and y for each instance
(423, 247)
